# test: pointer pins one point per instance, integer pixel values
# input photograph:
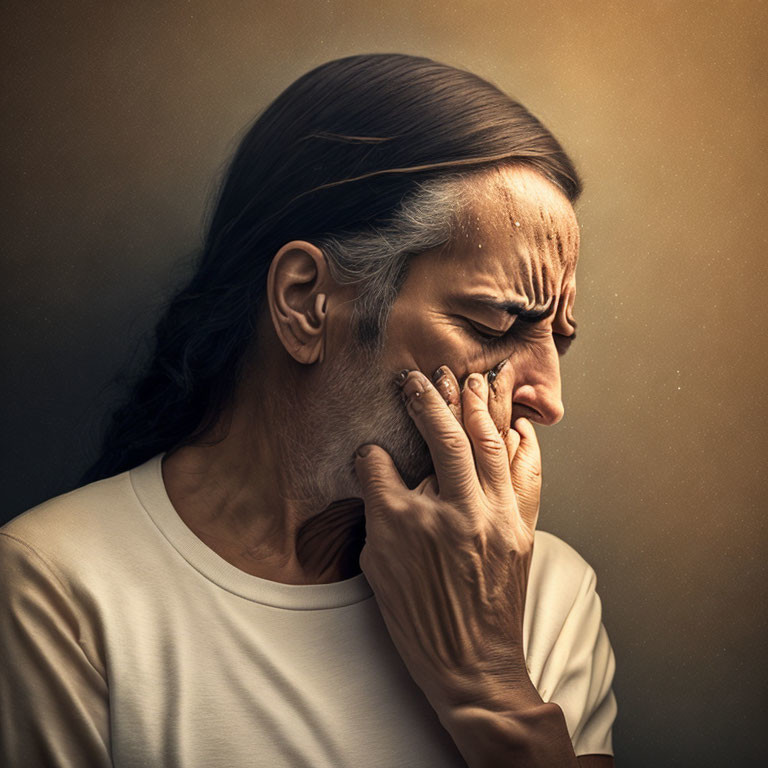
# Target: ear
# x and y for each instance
(297, 287)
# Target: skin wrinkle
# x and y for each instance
(541, 263)
(515, 231)
(539, 223)
(538, 241)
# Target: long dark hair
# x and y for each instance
(338, 149)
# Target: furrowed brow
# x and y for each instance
(515, 307)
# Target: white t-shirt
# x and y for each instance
(127, 641)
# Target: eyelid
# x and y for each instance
(489, 340)
(486, 330)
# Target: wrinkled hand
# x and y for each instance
(448, 560)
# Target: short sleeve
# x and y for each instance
(585, 665)
(53, 697)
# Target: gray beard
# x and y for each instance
(361, 403)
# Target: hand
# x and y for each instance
(499, 401)
(448, 561)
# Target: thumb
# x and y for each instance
(526, 471)
(378, 477)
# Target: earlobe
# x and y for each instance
(297, 307)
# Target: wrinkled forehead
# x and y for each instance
(522, 211)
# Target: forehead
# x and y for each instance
(518, 229)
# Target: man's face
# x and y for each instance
(518, 245)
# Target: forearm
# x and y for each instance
(522, 731)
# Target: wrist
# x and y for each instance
(531, 736)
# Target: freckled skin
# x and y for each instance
(534, 262)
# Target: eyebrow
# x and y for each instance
(516, 308)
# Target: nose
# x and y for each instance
(538, 391)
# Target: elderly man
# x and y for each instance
(310, 537)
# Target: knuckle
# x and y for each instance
(492, 444)
(473, 410)
(398, 506)
(454, 442)
(379, 494)
(513, 440)
(421, 520)
(463, 485)
(534, 470)
(429, 524)
(472, 522)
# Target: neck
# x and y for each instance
(273, 497)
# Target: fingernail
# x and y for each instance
(401, 377)
(438, 374)
(494, 372)
(474, 383)
(415, 386)
(363, 450)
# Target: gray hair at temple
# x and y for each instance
(376, 258)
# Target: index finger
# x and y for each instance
(447, 441)
(448, 386)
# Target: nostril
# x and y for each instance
(518, 410)
(540, 404)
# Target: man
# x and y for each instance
(310, 538)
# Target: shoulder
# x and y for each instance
(70, 513)
(55, 670)
(74, 530)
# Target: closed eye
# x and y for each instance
(489, 338)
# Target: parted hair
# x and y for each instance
(366, 156)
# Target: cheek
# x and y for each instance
(528, 352)
(426, 343)
(464, 356)
(446, 344)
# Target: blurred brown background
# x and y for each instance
(118, 118)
